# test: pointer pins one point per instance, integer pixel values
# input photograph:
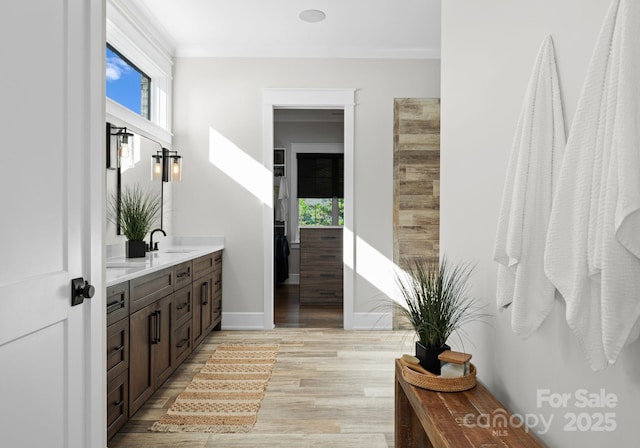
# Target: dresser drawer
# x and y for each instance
(319, 237)
(117, 348)
(184, 274)
(117, 302)
(151, 287)
(320, 257)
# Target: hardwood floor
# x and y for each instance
(289, 313)
(329, 388)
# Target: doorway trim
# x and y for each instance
(311, 99)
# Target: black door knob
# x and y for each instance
(80, 290)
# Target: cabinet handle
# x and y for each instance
(153, 327)
(205, 293)
(181, 343)
(182, 306)
(326, 293)
(183, 274)
(117, 403)
(328, 237)
(218, 282)
(328, 275)
(113, 306)
(218, 258)
(327, 256)
(118, 349)
(158, 326)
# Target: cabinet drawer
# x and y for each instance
(183, 303)
(117, 302)
(319, 237)
(117, 404)
(217, 283)
(151, 287)
(117, 348)
(184, 274)
(183, 340)
(320, 257)
(217, 310)
(203, 265)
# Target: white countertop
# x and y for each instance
(173, 250)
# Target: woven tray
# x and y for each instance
(434, 382)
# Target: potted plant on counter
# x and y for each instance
(435, 300)
(135, 211)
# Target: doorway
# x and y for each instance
(308, 180)
(313, 99)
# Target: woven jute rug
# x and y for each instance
(226, 395)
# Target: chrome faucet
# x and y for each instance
(153, 247)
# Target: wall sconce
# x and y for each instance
(121, 150)
(166, 165)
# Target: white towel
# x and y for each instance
(593, 245)
(533, 167)
(282, 211)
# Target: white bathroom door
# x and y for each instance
(52, 368)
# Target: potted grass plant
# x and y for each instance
(135, 211)
(435, 301)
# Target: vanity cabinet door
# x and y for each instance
(142, 328)
(151, 350)
(202, 307)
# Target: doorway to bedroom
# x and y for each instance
(308, 185)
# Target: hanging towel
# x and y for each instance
(593, 245)
(533, 167)
(282, 211)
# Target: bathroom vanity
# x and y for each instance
(159, 309)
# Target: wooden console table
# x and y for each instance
(469, 419)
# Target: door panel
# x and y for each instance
(52, 109)
(24, 386)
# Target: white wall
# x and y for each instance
(226, 94)
(488, 50)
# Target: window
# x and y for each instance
(320, 189)
(126, 84)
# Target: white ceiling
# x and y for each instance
(261, 28)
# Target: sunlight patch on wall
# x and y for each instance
(376, 268)
(240, 167)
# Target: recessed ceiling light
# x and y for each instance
(312, 15)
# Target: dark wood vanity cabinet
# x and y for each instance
(153, 324)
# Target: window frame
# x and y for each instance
(143, 75)
(142, 49)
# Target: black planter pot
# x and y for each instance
(428, 356)
(136, 249)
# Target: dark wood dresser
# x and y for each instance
(321, 269)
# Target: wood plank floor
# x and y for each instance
(329, 388)
(288, 313)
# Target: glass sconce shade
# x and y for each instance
(156, 167)
(124, 146)
(176, 168)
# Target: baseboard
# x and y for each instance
(243, 321)
(372, 321)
